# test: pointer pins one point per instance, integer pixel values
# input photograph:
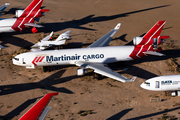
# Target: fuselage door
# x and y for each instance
(23, 61)
(157, 84)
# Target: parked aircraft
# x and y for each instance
(97, 55)
(3, 7)
(38, 111)
(44, 43)
(25, 18)
(162, 83)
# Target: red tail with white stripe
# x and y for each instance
(26, 17)
(33, 10)
(152, 37)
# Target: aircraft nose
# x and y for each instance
(143, 86)
(15, 61)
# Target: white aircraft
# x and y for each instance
(25, 18)
(44, 43)
(37, 112)
(162, 83)
(3, 7)
(97, 55)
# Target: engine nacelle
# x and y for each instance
(33, 14)
(19, 13)
(81, 71)
(137, 40)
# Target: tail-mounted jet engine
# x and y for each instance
(141, 41)
(34, 14)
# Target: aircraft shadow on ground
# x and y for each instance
(19, 109)
(119, 115)
(46, 83)
(89, 19)
(153, 114)
(15, 41)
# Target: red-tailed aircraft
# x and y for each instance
(25, 18)
(38, 111)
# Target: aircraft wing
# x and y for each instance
(32, 25)
(104, 41)
(103, 70)
(36, 111)
(154, 53)
(3, 7)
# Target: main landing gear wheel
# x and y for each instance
(97, 76)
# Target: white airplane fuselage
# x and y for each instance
(6, 24)
(71, 56)
(162, 83)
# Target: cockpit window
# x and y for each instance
(16, 59)
(147, 83)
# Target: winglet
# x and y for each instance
(117, 26)
(133, 79)
(37, 109)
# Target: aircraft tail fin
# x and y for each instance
(155, 31)
(36, 111)
(63, 36)
(152, 34)
(34, 5)
(33, 10)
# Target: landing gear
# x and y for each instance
(97, 76)
(46, 69)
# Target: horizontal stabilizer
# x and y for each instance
(104, 41)
(154, 53)
(33, 25)
(164, 37)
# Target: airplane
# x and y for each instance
(3, 7)
(25, 18)
(44, 43)
(97, 55)
(39, 110)
(162, 83)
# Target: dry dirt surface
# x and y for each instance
(86, 98)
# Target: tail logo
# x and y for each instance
(37, 59)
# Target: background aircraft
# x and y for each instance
(3, 7)
(162, 83)
(97, 55)
(44, 43)
(25, 18)
(38, 111)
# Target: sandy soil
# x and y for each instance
(100, 99)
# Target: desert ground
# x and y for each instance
(86, 98)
